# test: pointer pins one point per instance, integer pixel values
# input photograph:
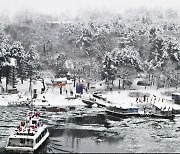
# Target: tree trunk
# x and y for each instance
(6, 83)
(123, 85)
(0, 75)
(74, 81)
(79, 79)
(22, 80)
(119, 84)
(30, 84)
(7, 80)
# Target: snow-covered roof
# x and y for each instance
(60, 79)
(176, 94)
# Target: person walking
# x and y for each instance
(60, 90)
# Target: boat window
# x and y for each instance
(22, 141)
(37, 140)
(10, 142)
(34, 121)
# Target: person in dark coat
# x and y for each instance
(144, 98)
(60, 90)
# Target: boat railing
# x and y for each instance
(123, 110)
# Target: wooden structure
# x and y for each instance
(59, 82)
(176, 98)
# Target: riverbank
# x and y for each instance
(53, 97)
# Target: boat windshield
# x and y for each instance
(34, 122)
(20, 142)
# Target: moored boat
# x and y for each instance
(89, 100)
(122, 111)
(133, 111)
(164, 116)
(29, 135)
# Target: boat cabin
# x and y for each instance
(21, 142)
(29, 135)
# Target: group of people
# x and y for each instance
(61, 91)
(148, 100)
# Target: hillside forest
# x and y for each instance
(95, 45)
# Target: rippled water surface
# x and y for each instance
(90, 130)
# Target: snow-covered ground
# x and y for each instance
(53, 97)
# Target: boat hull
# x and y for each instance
(88, 102)
(122, 115)
(126, 115)
(19, 149)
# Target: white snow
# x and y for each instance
(53, 97)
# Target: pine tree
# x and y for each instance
(61, 70)
(32, 63)
(109, 70)
(5, 53)
(127, 57)
(158, 54)
(17, 51)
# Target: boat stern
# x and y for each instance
(10, 149)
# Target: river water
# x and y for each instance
(89, 130)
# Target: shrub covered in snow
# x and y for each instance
(143, 83)
(169, 93)
(138, 94)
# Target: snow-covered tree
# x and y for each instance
(4, 44)
(32, 62)
(5, 53)
(127, 56)
(158, 54)
(109, 69)
(85, 40)
(17, 52)
(173, 50)
(61, 69)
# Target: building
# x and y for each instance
(59, 82)
(176, 98)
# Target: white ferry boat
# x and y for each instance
(29, 135)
